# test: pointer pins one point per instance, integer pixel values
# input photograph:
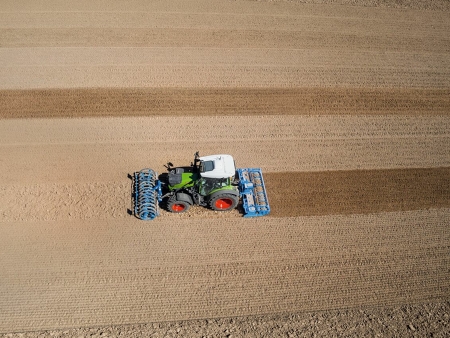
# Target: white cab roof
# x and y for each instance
(223, 166)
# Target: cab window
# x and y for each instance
(209, 184)
(206, 166)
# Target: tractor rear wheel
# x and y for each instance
(175, 206)
(224, 202)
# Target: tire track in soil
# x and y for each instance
(211, 102)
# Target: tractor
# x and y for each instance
(210, 181)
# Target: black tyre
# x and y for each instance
(224, 202)
(177, 207)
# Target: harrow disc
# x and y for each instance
(146, 194)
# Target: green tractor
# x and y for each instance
(211, 181)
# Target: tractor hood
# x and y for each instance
(217, 166)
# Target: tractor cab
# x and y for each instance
(216, 172)
(208, 172)
(216, 166)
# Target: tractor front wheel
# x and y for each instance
(224, 202)
(177, 206)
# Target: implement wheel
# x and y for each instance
(224, 202)
(177, 207)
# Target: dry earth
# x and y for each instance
(344, 104)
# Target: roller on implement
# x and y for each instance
(210, 181)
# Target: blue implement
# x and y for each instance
(253, 192)
(147, 194)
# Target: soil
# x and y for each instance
(343, 104)
(173, 102)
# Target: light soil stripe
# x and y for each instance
(221, 76)
(422, 25)
(179, 56)
(74, 273)
(35, 164)
(374, 10)
(87, 131)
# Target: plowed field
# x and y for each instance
(344, 107)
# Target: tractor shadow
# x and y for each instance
(130, 211)
(240, 208)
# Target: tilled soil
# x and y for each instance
(358, 192)
(345, 108)
(97, 272)
(404, 321)
(173, 102)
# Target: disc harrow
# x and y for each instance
(147, 192)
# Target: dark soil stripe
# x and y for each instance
(222, 38)
(357, 192)
(207, 102)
